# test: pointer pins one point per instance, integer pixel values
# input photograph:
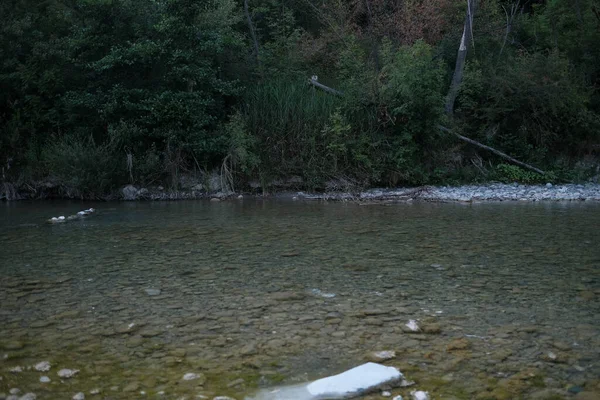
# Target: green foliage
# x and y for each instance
(412, 100)
(511, 173)
(242, 146)
(154, 88)
(532, 107)
(84, 166)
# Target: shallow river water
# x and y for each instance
(252, 293)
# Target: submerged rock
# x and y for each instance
(378, 356)
(152, 292)
(419, 395)
(67, 373)
(412, 326)
(42, 366)
(79, 396)
(190, 376)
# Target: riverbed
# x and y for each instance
(251, 293)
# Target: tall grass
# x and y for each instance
(288, 118)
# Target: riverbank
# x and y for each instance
(464, 193)
(472, 193)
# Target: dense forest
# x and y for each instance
(97, 94)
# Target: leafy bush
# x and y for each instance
(511, 173)
(90, 169)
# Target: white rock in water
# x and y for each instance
(413, 326)
(28, 396)
(223, 398)
(95, 391)
(383, 355)
(44, 379)
(356, 381)
(16, 369)
(81, 213)
(419, 395)
(398, 398)
(153, 292)
(386, 394)
(42, 366)
(190, 376)
(67, 373)
(62, 217)
(79, 396)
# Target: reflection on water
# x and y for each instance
(240, 293)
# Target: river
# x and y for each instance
(256, 293)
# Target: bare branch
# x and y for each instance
(497, 152)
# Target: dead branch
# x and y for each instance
(252, 31)
(325, 88)
(491, 149)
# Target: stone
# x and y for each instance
(237, 382)
(386, 394)
(458, 344)
(42, 366)
(356, 381)
(28, 396)
(554, 357)
(398, 398)
(152, 292)
(150, 332)
(190, 376)
(95, 391)
(379, 356)
(432, 329)
(79, 396)
(14, 345)
(411, 326)
(67, 373)
(129, 193)
(44, 379)
(587, 396)
(223, 398)
(288, 296)
(419, 395)
(16, 369)
(14, 391)
(131, 387)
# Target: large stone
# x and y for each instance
(129, 193)
(360, 380)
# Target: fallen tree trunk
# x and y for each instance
(325, 88)
(491, 149)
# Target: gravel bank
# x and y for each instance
(470, 193)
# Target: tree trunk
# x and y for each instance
(465, 42)
(252, 32)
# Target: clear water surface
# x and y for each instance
(253, 293)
